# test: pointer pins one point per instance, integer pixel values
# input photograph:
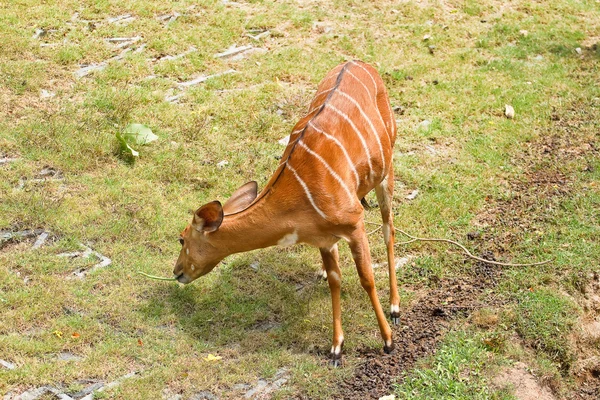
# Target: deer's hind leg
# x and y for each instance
(359, 245)
(385, 195)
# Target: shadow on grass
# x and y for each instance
(255, 310)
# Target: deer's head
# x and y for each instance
(201, 250)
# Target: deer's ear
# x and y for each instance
(241, 198)
(208, 218)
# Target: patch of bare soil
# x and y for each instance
(419, 332)
(525, 386)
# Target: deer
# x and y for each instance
(337, 153)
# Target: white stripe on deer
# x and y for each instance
(368, 73)
(360, 136)
(366, 117)
(328, 167)
(310, 198)
(385, 126)
(341, 146)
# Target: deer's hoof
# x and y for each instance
(388, 349)
(395, 320)
(322, 275)
(335, 363)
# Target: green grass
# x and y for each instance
(475, 171)
(457, 371)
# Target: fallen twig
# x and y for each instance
(466, 251)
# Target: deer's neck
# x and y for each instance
(261, 225)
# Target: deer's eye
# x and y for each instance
(181, 241)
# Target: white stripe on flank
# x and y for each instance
(368, 73)
(314, 109)
(323, 92)
(328, 167)
(366, 117)
(330, 137)
(360, 136)
(310, 198)
(387, 129)
(320, 105)
(359, 81)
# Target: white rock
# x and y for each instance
(412, 195)
(284, 141)
(578, 50)
(388, 397)
(509, 111)
(222, 164)
(524, 32)
(44, 94)
(7, 365)
(424, 124)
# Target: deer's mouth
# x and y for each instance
(182, 278)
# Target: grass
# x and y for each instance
(457, 371)
(528, 185)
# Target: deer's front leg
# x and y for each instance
(362, 257)
(334, 279)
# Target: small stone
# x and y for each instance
(426, 37)
(578, 50)
(204, 395)
(431, 49)
(260, 386)
(539, 57)
(524, 32)
(509, 111)
(65, 356)
(39, 33)
(412, 195)
(221, 164)
(424, 124)
(388, 397)
(255, 265)
(44, 94)
(7, 365)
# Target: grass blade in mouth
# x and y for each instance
(158, 278)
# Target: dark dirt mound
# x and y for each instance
(419, 332)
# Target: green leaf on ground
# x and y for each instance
(135, 134)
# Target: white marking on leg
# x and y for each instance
(324, 274)
(388, 343)
(360, 136)
(328, 168)
(289, 239)
(366, 117)
(368, 73)
(395, 309)
(341, 146)
(187, 251)
(386, 233)
(334, 275)
(336, 350)
(193, 267)
(310, 198)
